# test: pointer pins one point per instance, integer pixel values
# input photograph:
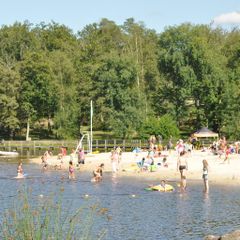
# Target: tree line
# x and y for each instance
(141, 82)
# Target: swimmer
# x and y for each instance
(20, 171)
(97, 173)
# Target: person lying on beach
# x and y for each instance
(98, 173)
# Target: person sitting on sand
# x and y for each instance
(71, 171)
(98, 173)
(141, 165)
(20, 170)
(165, 164)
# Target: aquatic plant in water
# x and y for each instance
(45, 219)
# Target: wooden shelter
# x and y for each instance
(205, 133)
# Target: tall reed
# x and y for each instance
(45, 219)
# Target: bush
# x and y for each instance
(164, 126)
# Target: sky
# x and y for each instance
(155, 14)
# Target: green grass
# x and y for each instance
(45, 219)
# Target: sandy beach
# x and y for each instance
(219, 172)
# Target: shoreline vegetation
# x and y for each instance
(219, 172)
(141, 82)
(44, 218)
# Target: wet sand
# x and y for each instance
(219, 172)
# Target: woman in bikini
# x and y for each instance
(182, 167)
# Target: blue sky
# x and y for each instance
(156, 14)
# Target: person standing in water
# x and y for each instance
(98, 173)
(71, 174)
(20, 170)
(114, 160)
(205, 176)
(182, 166)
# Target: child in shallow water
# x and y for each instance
(97, 173)
(71, 174)
(20, 170)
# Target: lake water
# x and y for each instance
(148, 215)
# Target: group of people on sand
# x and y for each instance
(221, 147)
(183, 150)
(116, 156)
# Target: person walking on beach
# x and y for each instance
(119, 153)
(182, 166)
(205, 176)
(180, 147)
(81, 156)
(227, 152)
(71, 174)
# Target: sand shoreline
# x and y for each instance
(219, 173)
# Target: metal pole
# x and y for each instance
(91, 134)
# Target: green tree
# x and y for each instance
(9, 86)
(38, 95)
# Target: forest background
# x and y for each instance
(141, 82)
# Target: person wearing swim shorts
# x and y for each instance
(182, 167)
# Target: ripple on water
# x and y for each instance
(132, 212)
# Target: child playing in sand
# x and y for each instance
(205, 176)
